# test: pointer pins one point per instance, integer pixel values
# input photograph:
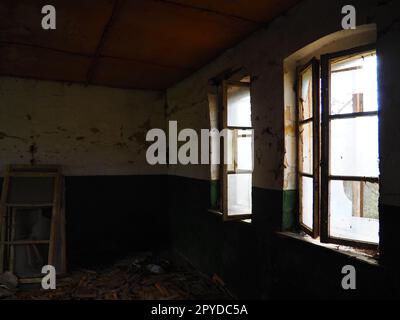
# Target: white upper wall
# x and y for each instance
(88, 130)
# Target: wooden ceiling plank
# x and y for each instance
(172, 35)
(79, 23)
(147, 43)
(136, 75)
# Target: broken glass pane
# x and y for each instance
(239, 194)
(306, 99)
(354, 86)
(354, 147)
(307, 201)
(239, 106)
(353, 208)
(306, 148)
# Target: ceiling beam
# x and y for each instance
(188, 6)
(106, 30)
(91, 56)
(35, 46)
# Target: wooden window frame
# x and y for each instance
(326, 177)
(321, 118)
(224, 172)
(57, 224)
(315, 120)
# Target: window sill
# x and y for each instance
(366, 256)
(216, 212)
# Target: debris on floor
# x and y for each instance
(8, 285)
(143, 276)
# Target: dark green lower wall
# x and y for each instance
(257, 263)
(230, 249)
(307, 271)
(109, 217)
(389, 236)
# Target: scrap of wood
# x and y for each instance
(113, 295)
(164, 292)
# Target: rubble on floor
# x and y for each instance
(8, 285)
(143, 276)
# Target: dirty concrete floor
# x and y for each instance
(143, 276)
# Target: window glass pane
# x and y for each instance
(307, 201)
(245, 150)
(230, 151)
(239, 194)
(306, 99)
(306, 148)
(354, 86)
(354, 147)
(239, 106)
(32, 224)
(353, 208)
(31, 190)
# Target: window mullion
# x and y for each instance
(312, 120)
(316, 145)
(324, 186)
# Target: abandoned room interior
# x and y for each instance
(199, 150)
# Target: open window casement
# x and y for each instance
(308, 147)
(350, 148)
(238, 151)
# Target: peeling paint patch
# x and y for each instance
(33, 149)
(121, 145)
(140, 136)
(61, 129)
(95, 130)
(4, 135)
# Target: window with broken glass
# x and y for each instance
(338, 175)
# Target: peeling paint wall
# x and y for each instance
(261, 56)
(338, 41)
(88, 130)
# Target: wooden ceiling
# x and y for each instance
(143, 44)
